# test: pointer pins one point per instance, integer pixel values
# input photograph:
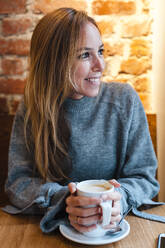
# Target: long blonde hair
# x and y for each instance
(53, 49)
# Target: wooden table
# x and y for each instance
(24, 232)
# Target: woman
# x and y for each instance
(71, 127)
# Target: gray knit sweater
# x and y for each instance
(109, 139)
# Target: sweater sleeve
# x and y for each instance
(25, 189)
(137, 175)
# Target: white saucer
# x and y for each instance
(71, 234)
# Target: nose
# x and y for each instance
(98, 64)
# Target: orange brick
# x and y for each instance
(147, 4)
(19, 47)
(12, 66)
(106, 27)
(142, 84)
(46, 6)
(136, 27)
(12, 86)
(120, 78)
(108, 7)
(12, 6)
(140, 48)
(146, 101)
(135, 66)
(10, 26)
(112, 66)
(113, 49)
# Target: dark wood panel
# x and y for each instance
(153, 131)
(5, 130)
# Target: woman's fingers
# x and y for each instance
(110, 226)
(82, 201)
(116, 208)
(114, 221)
(115, 218)
(84, 221)
(115, 183)
(83, 212)
(72, 188)
(114, 196)
(115, 215)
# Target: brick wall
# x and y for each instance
(126, 26)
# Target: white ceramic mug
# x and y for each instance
(97, 188)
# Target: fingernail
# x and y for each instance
(104, 197)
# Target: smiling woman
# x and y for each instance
(72, 127)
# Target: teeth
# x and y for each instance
(93, 80)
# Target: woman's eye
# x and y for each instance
(84, 55)
(101, 51)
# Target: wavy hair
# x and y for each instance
(53, 49)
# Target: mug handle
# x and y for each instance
(106, 212)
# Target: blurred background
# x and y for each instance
(133, 35)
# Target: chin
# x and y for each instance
(93, 94)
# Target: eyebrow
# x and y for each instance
(88, 48)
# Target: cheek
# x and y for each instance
(81, 71)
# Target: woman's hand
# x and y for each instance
(82, 219)
(85, 219)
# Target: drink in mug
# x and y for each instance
(97, 188)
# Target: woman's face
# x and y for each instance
(89, 64)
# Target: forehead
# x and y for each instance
(89, 36)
